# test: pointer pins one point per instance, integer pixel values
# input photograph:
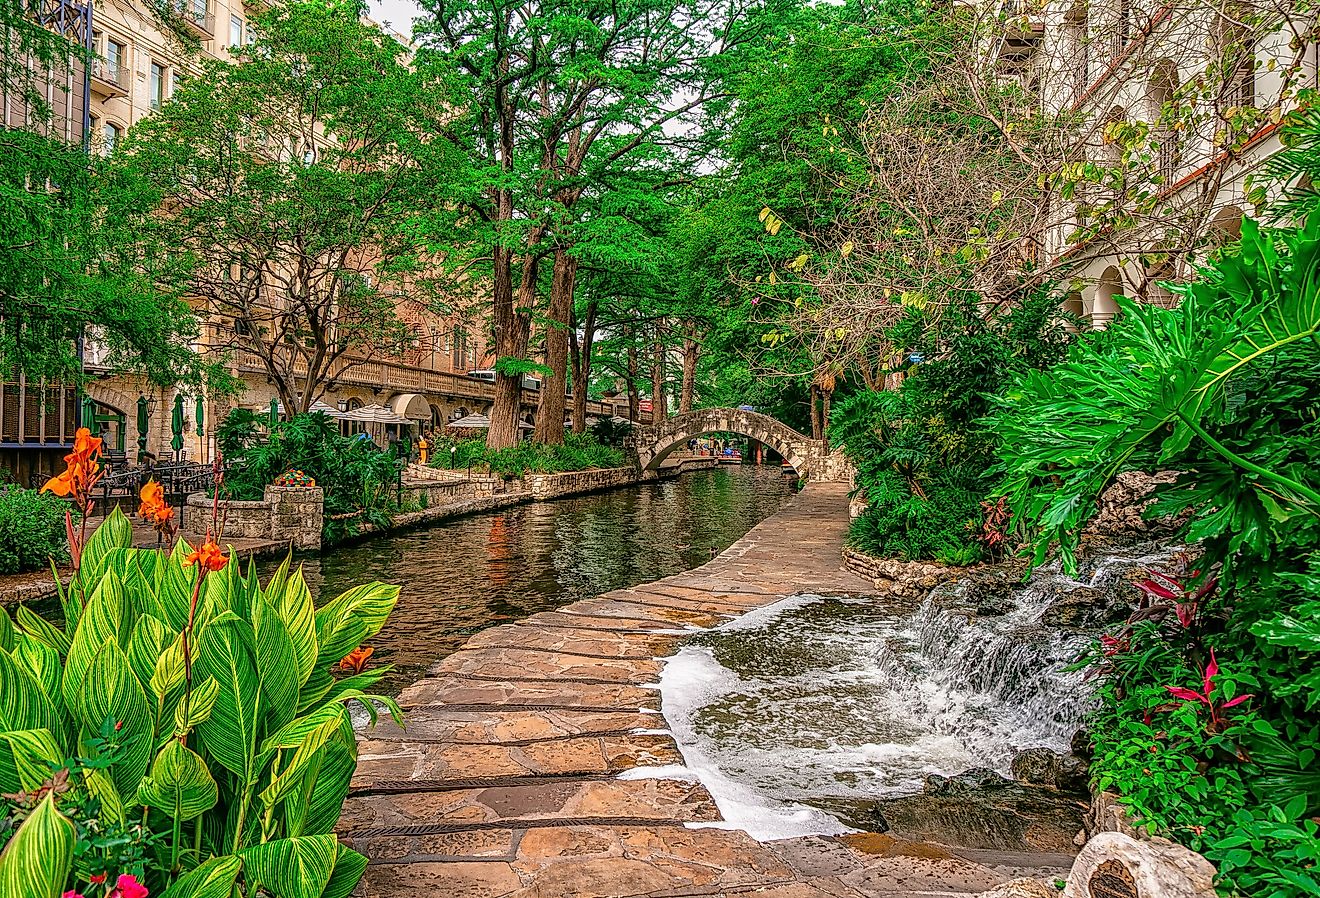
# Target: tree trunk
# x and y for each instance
(512, 334)
(659, 411)
(582, 367)
(817, 431)
(825, 396)
(550, 408)
(634, 395)
(690, 350)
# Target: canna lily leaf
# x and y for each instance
(104, 619)
(349, 867)
(198, 707)
(23, 703)
(27, 758)
(111, 692)
(291, 868)
(38, 859)
(42, 630)
(214, 878)
(179, 783)
(226, 653)
(6, 631)
(43, 662)
(353, 618)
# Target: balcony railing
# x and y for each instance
(109, 78)
(197, 14)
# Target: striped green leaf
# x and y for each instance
(198, 707)
(292, 600)
(42, 630)
(226, 652)
(149, 639)
(6, 631)
(288, 775)
(291, 868)
(112, 692)
(325, 785)
(351, 619)
(179, 783)
(277, 662)
(212, 879)
(28, 758)
(37, 861)
(23, 703)
(43, 662)
(98, 555)
(104, 618)
(349, 867)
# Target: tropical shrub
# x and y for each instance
(923, 458)
(31, 530)
(1224, 389)
(578, 452)
(358, 478)
(184, 732)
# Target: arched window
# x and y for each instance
(1226, 226)
(1156, 272)
(1161, 96)
(1236, 46)
(110, 134)
(1079, 46)
(1072, 306)
(1103, 307)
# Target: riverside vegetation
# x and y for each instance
(1207, 723)
(184, 733)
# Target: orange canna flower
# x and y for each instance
(82, 468)
(208, 557)
(356, 660)
(154, 508)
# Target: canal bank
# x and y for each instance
(536, 761)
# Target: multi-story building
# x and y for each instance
(1171, 110)
(136, 65)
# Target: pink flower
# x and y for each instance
(127, 886)
(72, 894)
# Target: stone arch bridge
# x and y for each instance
(812, 459)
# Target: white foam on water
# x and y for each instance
(692, 679)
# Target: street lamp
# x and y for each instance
(342, 405)
(452, 450)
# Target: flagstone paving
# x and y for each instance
(505, 782)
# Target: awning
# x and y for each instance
(412, 406)
(374, 414)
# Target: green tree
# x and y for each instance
(68, 276)
(293, 181)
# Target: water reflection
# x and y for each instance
(462, 576)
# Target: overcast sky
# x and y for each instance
(398, 14)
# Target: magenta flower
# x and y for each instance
(127, 886)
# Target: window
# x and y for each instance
(109, 137)
(235, 31)
(114, 57)
(157, 85)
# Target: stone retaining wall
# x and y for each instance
(550, 486)
(243, 519)
(910, 579)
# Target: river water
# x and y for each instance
(465, 575)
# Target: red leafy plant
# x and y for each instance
(1205, 697)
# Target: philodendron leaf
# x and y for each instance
(37, 860)
(291, 868)
(212, 879)
(179, 783)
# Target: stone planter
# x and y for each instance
(297, 514)
(242, 519)
(292, 514)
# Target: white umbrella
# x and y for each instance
(481, 422)
(374, 414)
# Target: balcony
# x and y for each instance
(109, 79)
(1022, 25)
(197, 15)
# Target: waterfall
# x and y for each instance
(816, 700)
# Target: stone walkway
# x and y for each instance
(505, 782)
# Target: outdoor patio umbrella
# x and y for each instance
(374, 414)
(176, 424)
(471, 422)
